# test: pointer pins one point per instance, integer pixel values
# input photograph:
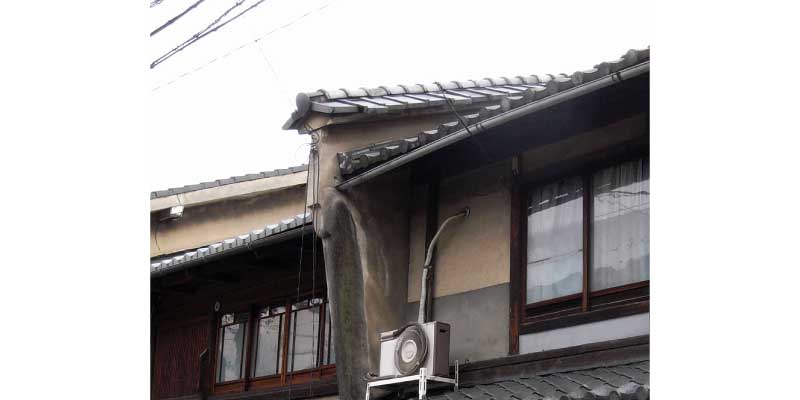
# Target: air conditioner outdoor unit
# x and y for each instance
(404, 351)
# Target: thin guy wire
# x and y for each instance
(299, 274)
(464, 124)
(314, 231)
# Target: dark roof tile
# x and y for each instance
(566, 385)
(509, 92)
(162, 265)
(227, 181)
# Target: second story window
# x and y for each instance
(268, 346)
(304, 336)
(232, 333)
(588, 244)
(272, 342)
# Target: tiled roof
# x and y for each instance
(228, 181)
(394, 99)
(626, 381)
(501, 95)
(164, 265)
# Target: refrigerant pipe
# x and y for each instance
(423, 297)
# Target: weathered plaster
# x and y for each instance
(365, 240)
(212, 222)
(473, 253)
(247, 188)
(478, 322)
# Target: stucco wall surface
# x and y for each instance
(212, 222)
(472, 253)
(478, 322)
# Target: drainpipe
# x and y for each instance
(423, 297)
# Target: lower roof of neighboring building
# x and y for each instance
(235, 186)
(286, 229)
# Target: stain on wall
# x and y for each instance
(213, 222)
(478, 322)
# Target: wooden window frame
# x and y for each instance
(218, 349)
(575, 309)
(284, 317)
(284, 377)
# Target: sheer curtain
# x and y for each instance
(231, 352)
(268, 348)
(304, 346)
(621, 225)
(555, 240)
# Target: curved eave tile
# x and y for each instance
(512, 92)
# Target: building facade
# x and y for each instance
(545, 282)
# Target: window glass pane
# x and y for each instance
(268, 355)
(621, 225)
(231, 350)
(329, 353)
(555, 240)
(303, 344)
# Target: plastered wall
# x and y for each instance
(212, 222)
(472, 253)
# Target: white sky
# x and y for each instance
(225, 119)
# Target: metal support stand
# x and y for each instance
(422, 380)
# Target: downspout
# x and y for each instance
(423, 297)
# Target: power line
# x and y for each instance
(175, 18)
(209, 30)
(243, 45)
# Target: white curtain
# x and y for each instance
(268, 350)
(304, 345)
(231, 352)
(621, 225)
(555, 240)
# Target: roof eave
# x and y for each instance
(276, 233)
(453, 134)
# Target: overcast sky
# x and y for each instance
(224, 118)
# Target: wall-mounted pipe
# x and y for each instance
(423, 297)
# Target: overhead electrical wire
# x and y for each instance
(211, 28)
(175, 18)
(463, 122)
(243, 45)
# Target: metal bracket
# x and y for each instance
(422, 382)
